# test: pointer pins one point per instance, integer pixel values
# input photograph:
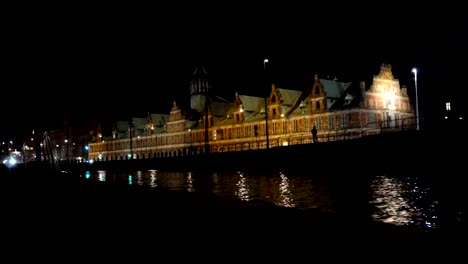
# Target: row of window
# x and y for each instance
(277, 128)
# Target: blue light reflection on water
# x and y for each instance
(399, 201)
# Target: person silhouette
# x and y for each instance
(314, 134)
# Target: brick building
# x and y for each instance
(338, 110)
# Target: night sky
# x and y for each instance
(97, 62)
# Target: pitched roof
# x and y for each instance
(252, 103)
(333, 88)
(289, 99)
(350, 98)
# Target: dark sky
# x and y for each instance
(95, 61)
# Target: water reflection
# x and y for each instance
(216, 187)
(153, 181)
(130, 180)
(423, 202)
(403, 202)
(301, 191)
(286, 199)
(398, 200)
(388, 199)
(190, 183)
(139, 180)
(173, 181)
(102, 175)
(243, 188)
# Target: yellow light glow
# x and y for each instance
(389, 101)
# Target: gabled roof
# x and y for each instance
(252, 103)
(220, 108)
(350, 98)
(159, 120)
(122, 126)
(289, 99)
(333, 88)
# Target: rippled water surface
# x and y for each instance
(395, 200)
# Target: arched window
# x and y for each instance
(317, 105)
(273, 99)
(274, 111)
(317, 90)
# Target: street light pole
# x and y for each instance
(130, 128)
(415, 71)
(266, 107)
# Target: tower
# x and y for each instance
(199, 89)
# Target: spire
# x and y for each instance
(149, 119)
(114, 130)
(316, 77)
(237, 100)
(174, 106)
(273, 87)
(149, 125)
(99, 133)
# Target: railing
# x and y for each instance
(383, 126)
(190, 147)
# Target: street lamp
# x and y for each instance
(266, 108)
(415, 71)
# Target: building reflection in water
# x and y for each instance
(173, 180)
(189, 183)
(403, 202)
(399, 200)
(243, 188)
(153, 180)
(286, 198)
(216, 186)
(101, 175)
(130, 179)
(139, 180)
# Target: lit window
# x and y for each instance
(318, 122)
(343, 121)
(331, 124)
(447, 106)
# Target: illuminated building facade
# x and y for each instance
(338, 110)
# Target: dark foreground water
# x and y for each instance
(152, 212)
(393, 199)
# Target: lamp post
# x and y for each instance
(415, 71)
(131, 127)
(266, 107)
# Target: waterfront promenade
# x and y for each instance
(409, 150)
